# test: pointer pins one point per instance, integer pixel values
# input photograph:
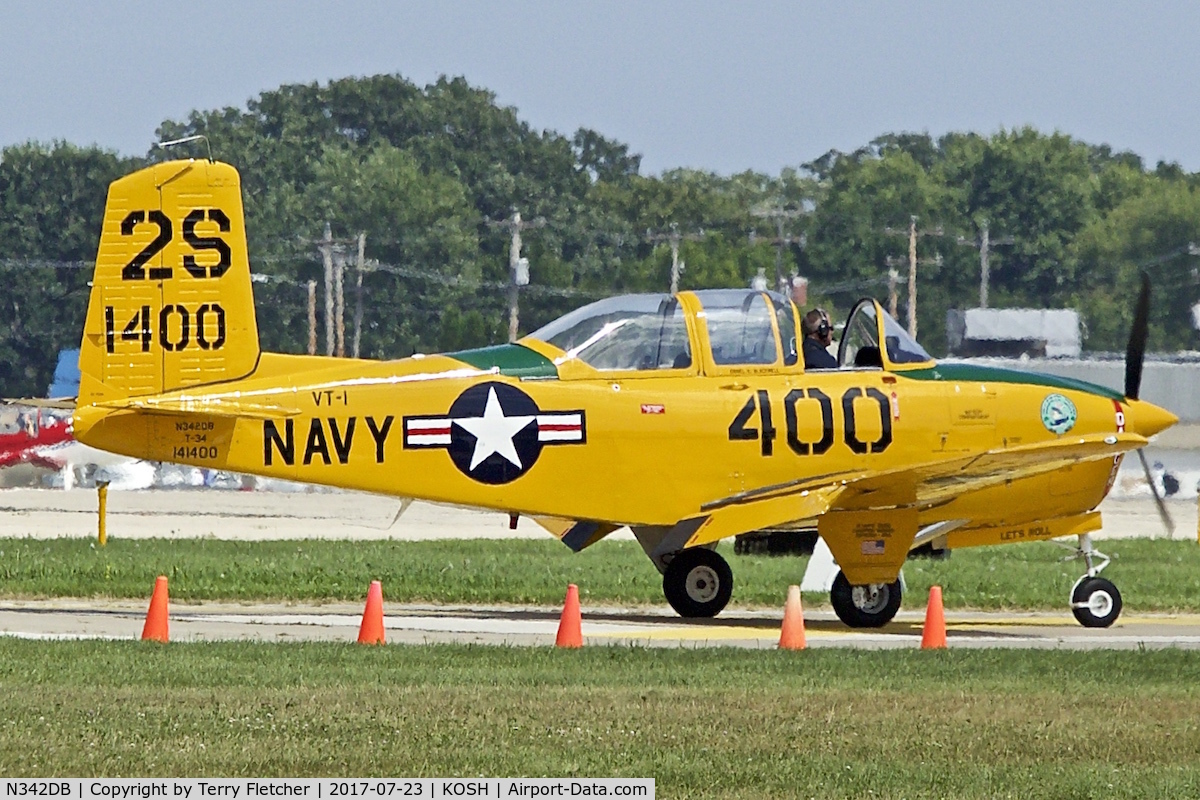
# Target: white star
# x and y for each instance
(494, 432)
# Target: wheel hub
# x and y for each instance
(703, 584)
(870, 599)
(1100, 603)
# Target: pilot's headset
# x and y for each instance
(822, 328)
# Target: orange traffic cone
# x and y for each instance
(570, 624)
(155, 628)
(791, 636)
(371, 629)
(933, 635)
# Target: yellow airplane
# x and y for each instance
(687, 418)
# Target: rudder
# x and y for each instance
(171, 304)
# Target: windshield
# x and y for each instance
(860, 341)
(901, 348)
(632, 332)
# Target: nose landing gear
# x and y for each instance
(1095, 602)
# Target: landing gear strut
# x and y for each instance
(1095, 602)
(869, 606)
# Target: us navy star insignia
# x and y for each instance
(494, 432)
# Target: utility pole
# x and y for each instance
(359, 265)
(913, 261)
(518, 268)
(339, 269)
(912, 276)
(782, 239)
(312, 318)
(984, 243)
(893, 276)
(674, 238)
(326, 248)
(333, 256)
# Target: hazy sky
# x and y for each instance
(723, 86)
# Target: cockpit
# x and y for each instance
(714, 331)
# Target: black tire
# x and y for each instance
(698, 583)
(874, 606)
(1095, 602)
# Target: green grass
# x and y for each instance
(703, 723)
(1152, 575)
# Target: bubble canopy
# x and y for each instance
(743, 327)
(650, 331)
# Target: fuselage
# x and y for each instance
(646, 450)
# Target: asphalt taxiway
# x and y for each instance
(534, 626)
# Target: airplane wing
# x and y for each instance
(908, 487)
(937, 483)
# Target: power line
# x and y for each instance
(984, 243)
(782, 239)
(44, 263)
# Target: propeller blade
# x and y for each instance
(1135, 353)
(1163, 514)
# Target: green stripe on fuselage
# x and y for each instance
(982, 374)
(511, 359)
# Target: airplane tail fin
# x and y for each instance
(171, 303)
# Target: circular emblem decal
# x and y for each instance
(494, 432)
(493, 437)
(1058, 413)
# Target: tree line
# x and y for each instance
(426, 172)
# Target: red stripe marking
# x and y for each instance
(558, 427)
(428, 431)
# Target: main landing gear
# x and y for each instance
(698, 583)
(1095, 602)
(870, 606)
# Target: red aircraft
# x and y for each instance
(33, 436)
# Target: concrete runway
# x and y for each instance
(526, 626)
(261, 515)
(351, 515)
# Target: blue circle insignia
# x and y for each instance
(1058, 413)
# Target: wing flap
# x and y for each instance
(749, 515)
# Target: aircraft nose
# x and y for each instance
(1147, 419)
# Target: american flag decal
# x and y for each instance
(873, 547)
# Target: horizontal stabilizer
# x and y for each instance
(55, 403)
(212, 407)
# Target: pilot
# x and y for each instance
(818, 335)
